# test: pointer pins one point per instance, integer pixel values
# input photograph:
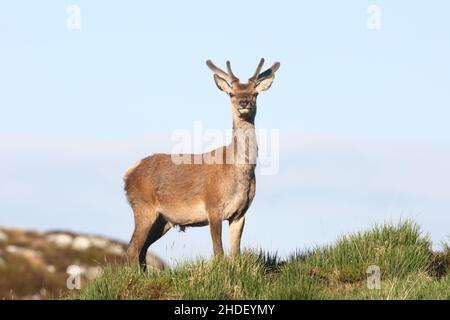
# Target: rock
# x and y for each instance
(12, 249)
(43, 292)
(154, 261)
(116, 249)
(33, 256)
(92, 272)
(51, 268)
(3, 236)
(61, 240)
(81, 243)
(101, 243)
(35, 296)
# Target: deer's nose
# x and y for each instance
(243, 103)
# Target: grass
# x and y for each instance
(409, 270)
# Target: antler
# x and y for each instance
(234, 78)
(269, 72)
(255, 78)
(258, 69)
(227, 76)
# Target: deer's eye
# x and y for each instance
(231, 95)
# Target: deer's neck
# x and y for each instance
(244, 145)
(239, 123)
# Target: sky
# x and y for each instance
(363, 113)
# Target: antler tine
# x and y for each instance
(269, 71)
(230, 72)
(218, 71)
(258, 69)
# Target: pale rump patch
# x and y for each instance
(130, 170)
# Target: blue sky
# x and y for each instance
(79, 106)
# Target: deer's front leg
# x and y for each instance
(236, 228)
(215, 225)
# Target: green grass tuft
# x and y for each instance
(409, 270)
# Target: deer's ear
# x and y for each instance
(222, 84)
(264, 84)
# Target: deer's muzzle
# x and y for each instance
(244, 103)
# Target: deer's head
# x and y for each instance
(243, 95)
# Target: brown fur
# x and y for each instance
(164, 194)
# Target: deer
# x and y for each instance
(164, 193)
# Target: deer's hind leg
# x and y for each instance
(158, 229)
(145, 217)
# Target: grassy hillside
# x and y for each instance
(409, 267)
(34, 265)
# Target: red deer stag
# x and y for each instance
(165, 193)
